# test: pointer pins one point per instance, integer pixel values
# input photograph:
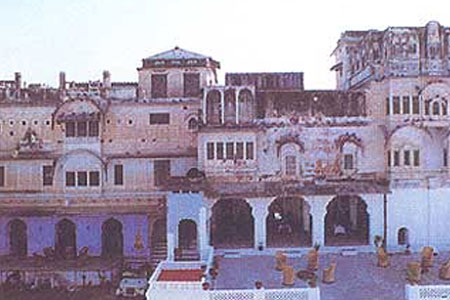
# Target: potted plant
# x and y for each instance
(258, 285)
(205, 286)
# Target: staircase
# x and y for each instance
(189, 254)
(159, 252)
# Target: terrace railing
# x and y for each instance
(427, 292)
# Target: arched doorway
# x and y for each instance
(66, 239)
(18, 244)
(232, 224)
(187, 234)
(112, 238)
(159, 240)
(403, 236)
(346, 222)
(230, 106)
(289, 223)
(213, 107)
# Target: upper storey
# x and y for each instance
(362, 56)
(176, 73)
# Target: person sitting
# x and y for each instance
(339, 230)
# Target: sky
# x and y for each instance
(40, 38)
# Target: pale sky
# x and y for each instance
(40, 38)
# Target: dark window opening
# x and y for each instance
(70, 178)
(81, 128)
(415, 105)
(396, 104)
(210, 151)
(249, 150)
(161, 171)
(230, 150)
(94, 178)
(396, 158)
(93, 128)
(160, 118)
(220, 150)
(406, 158)
(191, 84)
(239, 150)
(406, 105)
(70, 129)
(118, 174)
(47, 175)
(192, 124)
(82, 178)
(389, 158)
(445, 158)
(348, 162)
(388, 107)
(159, 86)
(416, 158)
(2, 176)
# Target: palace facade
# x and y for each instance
(175, 162)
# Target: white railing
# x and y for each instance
(427, 292)
(275, 294)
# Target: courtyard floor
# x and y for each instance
(357, 277)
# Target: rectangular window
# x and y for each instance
(291, 165)
(445, 158)
(396, 105)
(406, 158)
(2, 176)
(219, 146)
(70, 178)
(159, 118)
(118, 174)
(94, 178)
(81, 128)
(415, 108)
(405, 103)
(47, 175)
(161, 171)
(191, 84)
(348, 162)
(70, 129)
(159, 86)
(230, 150)
(389, 158)
(388, 107)
(396, 158)
(416, 158)
(209, 151)
(240, 150)
(93, 128)
(249, 150)
(82, 178)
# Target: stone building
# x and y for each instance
(176, 162)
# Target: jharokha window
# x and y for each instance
(82, 129)
(159, 86)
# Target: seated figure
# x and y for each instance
(413, 272)
(427, 258)
(383, 258)
(281, 260)
(444, 271)
(313, 260)
(328, 273)
(339, 230)
(288, 275)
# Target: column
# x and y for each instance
(318, 212)
(260, 212)
(170, 246)
(410, 105)
(222, 104)
(353, 212)
(204, 106)
(391, 105)
(375, 211)
(202, 233)
(236, 97)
